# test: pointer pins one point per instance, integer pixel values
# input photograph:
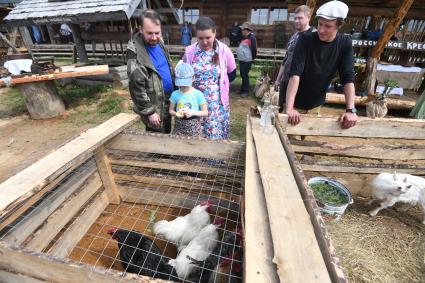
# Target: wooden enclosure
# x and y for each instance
(56, 213)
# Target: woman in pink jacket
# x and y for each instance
(215, 68)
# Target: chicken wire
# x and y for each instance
(223, 187)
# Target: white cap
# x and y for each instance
(333, 10)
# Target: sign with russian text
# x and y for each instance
(406, 45)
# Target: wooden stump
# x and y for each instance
(42, 99)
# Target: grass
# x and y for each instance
(328, 194)
(12, 103)
(74, 95)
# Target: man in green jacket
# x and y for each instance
(150, 74)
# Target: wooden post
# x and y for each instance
(26, 38)
(105, 171)
(402, 10)
(311, 4)
(13, 40)
(51, 32)
(79, 42)
(42, 99)
(4, 38)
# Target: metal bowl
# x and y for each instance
(329, 208)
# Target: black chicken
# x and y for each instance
(226, 254)
(140, 255)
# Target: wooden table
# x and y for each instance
(40, 93)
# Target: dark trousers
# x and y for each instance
(244, 68)
(282, 95)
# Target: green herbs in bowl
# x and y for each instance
(329, 194)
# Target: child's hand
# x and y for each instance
(180, 114)
(189, 113)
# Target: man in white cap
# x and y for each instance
(317, 57)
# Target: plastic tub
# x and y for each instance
(337, 210)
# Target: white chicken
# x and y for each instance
(198, 249)
(184, 228)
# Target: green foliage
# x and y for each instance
(111, 105)
(328, 194)
(74, 95)
(11, 102)
(238, 126)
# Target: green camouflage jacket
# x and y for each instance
(145, 83)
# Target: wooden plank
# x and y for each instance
(335, 269)
(188, 200)
(389, 152)
(105, 171)
(390, 29)
(165, 144)
(181, 167)
(29, 181)
(76, 72)
(357, 184)
(334, 167)
(258, 247)
(73, 234)
(47, 268)
(39, 214)
(179, 183)
(297, 253)
(12, 215)
(398, 128)
(13, 277)
(55, 222)
(392, 103)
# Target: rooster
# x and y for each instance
(198, 249)
(140, 255)
(224, 260)
(184, 228)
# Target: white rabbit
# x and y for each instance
(392, 188)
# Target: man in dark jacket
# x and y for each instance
(247, 52)
(151, 74)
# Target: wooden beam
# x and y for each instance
(26, 38)
(392, 103)
(190, 183)
(397, 128)
(181, 199)
(73, 234)
(312, 5)
(388, 152)
(47, 268)
(297, 253)
(105, 171)
(13, 214)
(181, 167)
(55, 222)
(14, 277)
(333, 264)
(4, 38)
(165, 144)
(29, 181)
(258, 247)
(58, 74)
(79, 42)
(335, 167)
(25, 227)
(390, 29)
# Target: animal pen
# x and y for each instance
(55, 214)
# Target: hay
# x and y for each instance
(387, 248)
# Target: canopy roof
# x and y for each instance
(46, 11)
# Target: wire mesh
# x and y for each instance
(157, 187)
